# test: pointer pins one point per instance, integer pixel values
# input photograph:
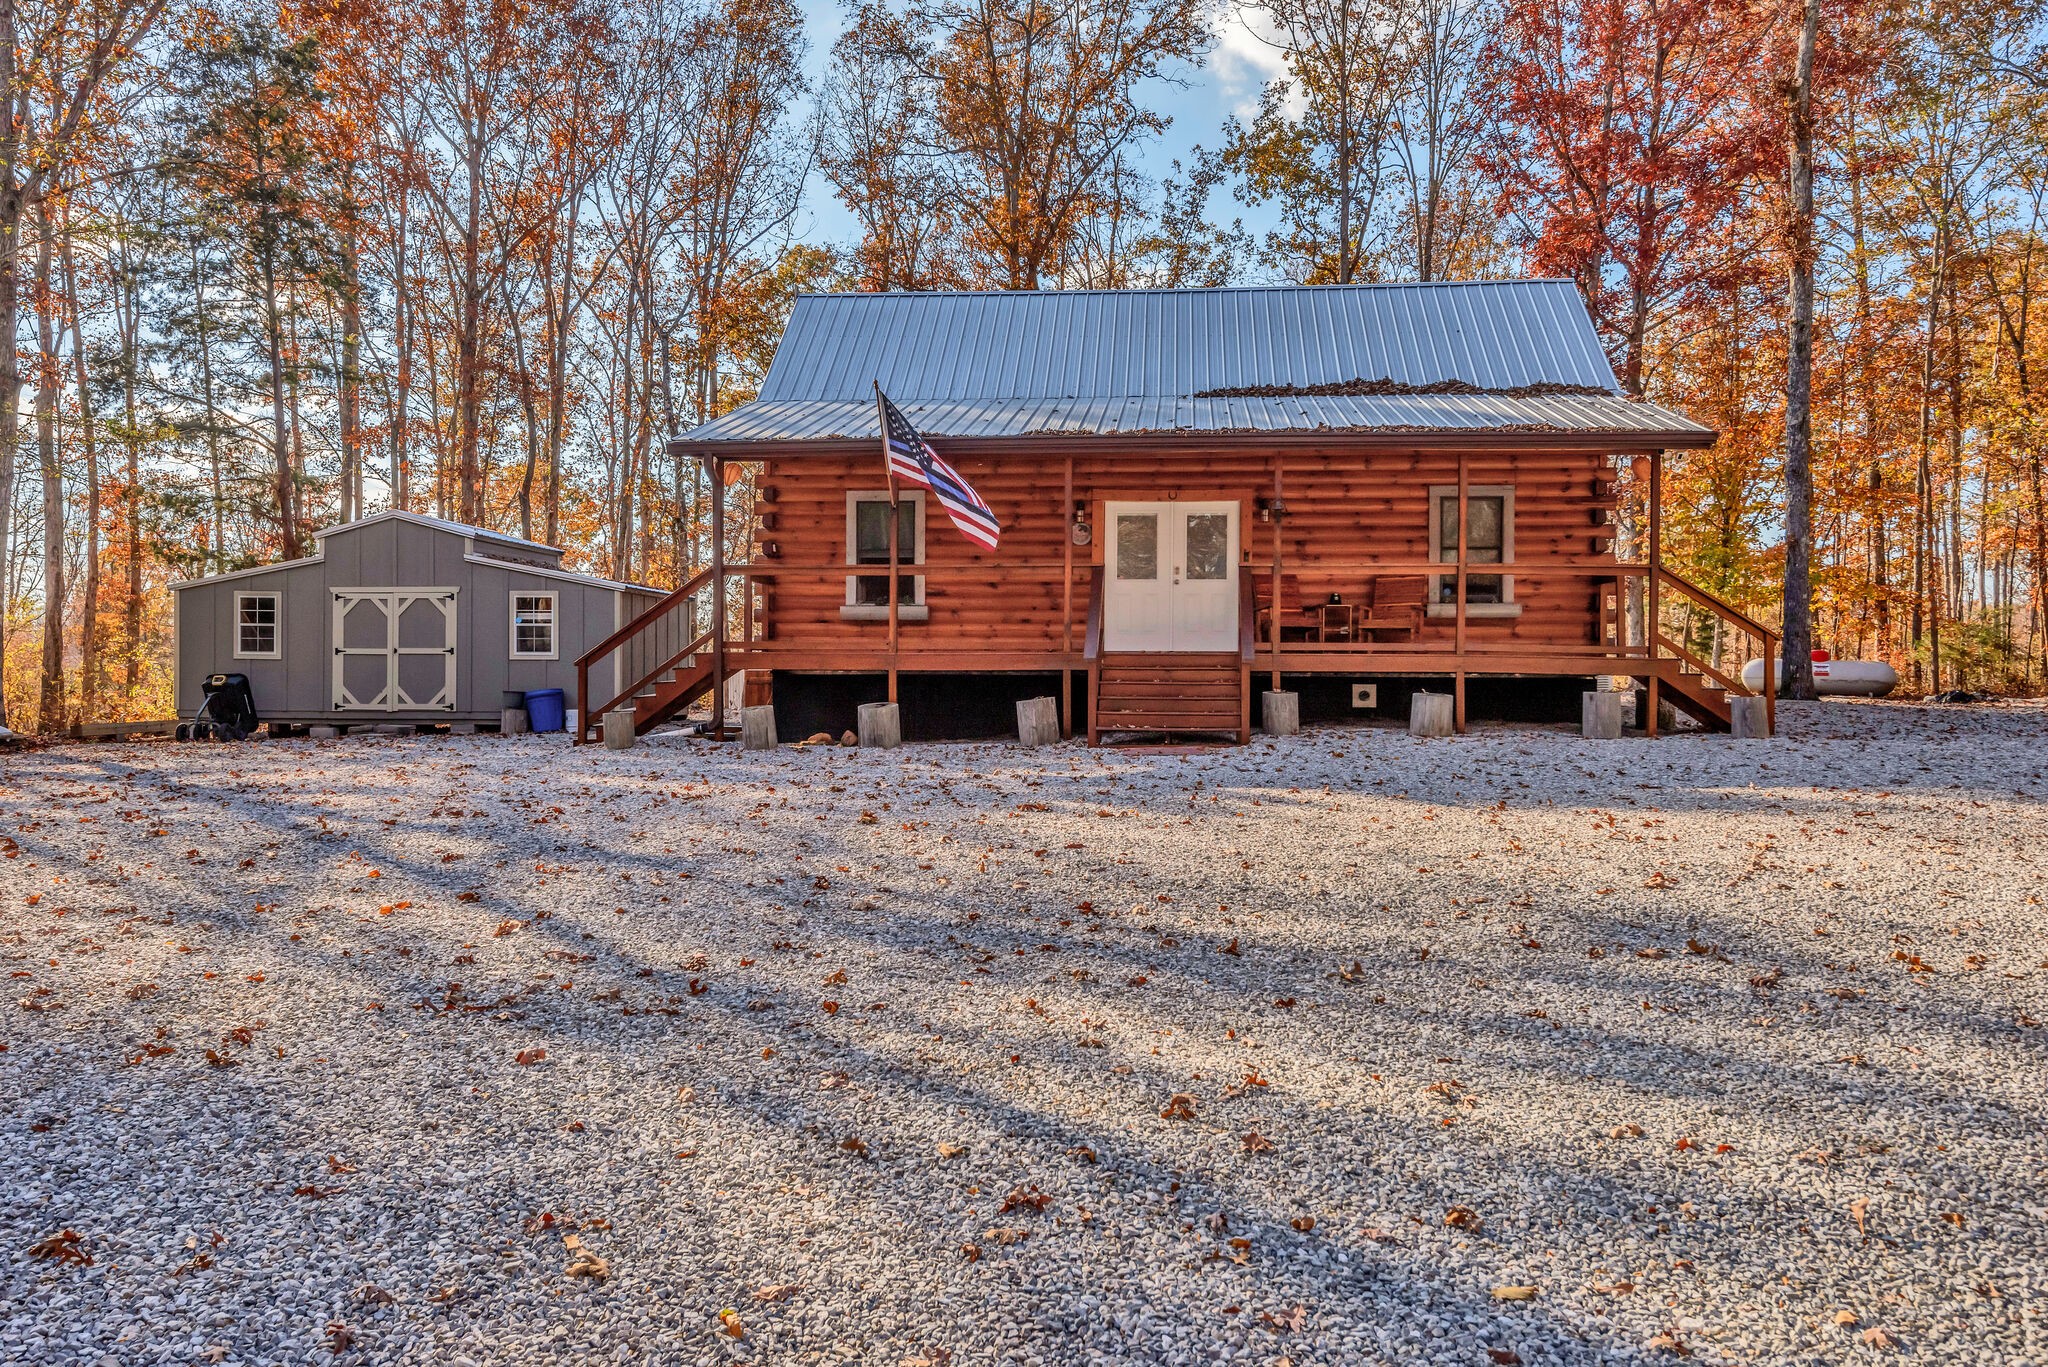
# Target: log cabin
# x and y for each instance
(1349, 493)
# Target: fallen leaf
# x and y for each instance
(529, 1056)
(951, 1151)
(1514, 1293)
(1179, 1106)
(769, 1295)
(730, 1320)
(1878, 1338)
(65, 1246)
(582, 1262)
(1462, 1217)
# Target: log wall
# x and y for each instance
(1347, 508)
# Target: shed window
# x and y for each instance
(867, 543)
(533, 626)
(256, 618)
(1489, 540)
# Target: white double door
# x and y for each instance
(394, 650)
(1171, 581)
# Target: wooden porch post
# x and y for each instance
(1458, 680)
(1067, 599)
(1650, 594)
(1273, 622)
(718, 598)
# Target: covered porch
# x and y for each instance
(1366, 560)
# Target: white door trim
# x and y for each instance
(1169, 611)
(393, 603)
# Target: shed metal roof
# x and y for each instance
(1082, 362)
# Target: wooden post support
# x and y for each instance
(1067, 598)
(1770, 686)
(881, 725)
(618, 729)
(1747, 719)
(717, 599)
(1429, 714)
(1038, 721)
(1280, 713)
(1652, 712)
(1464, 529)
(513, 722)
(1600, 715)
(1279, 518)
(757, 728)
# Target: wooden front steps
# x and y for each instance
(1699, 697)
(670, 691)
(1168, 694)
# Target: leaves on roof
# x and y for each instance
(1387, 387)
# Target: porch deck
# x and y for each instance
(1683, 643)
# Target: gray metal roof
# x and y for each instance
(1125, 361)
(822, 421)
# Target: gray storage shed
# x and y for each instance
(398, 617)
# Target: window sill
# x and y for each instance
(1474, 611)
(879, 612)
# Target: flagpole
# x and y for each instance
(895, 518)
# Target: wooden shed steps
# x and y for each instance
(1169, 694)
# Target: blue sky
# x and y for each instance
(1228, 82)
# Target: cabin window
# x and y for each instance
(867, 543)
(533, 627)
(256, 622)
(1489, 540)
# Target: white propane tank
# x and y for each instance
(1834, 678)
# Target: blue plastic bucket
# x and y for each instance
(544, 708)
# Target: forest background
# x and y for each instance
(275, 267)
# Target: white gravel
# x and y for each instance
(1813, 973)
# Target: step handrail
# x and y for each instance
(1715, 604)
(1742, 621)
(639, 624)
(1700, 666)
(588, 717)
(632, 690)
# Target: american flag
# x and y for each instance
(910, 459)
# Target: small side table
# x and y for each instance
(1336, 622)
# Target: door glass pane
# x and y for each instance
(1137, 546)
(1208, 545)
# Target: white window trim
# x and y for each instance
(1441, 495)
(276, 629)
(913, 611)
(554, 650)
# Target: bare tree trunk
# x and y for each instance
(89, 609)
(1799, 379)
(49, 369)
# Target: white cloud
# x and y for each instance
(1247, 56)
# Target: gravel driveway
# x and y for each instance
(1344, 1049)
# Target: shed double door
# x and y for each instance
(394, 650)
(1172, 577)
